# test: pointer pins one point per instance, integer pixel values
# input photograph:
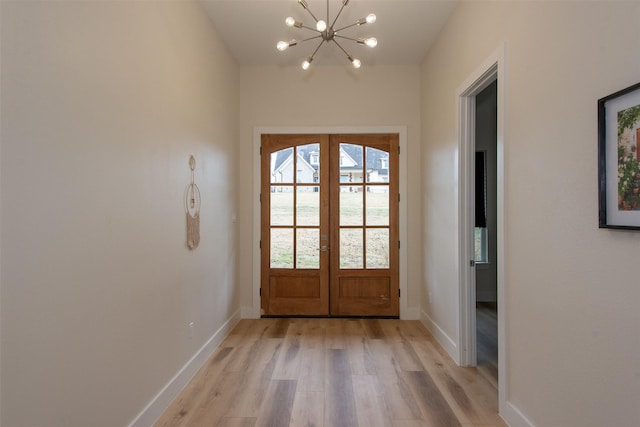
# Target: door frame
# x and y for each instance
(493, 68)
(258, 131)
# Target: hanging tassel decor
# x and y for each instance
(192, 208)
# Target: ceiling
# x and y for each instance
(405, 30)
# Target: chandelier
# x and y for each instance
(328, 33)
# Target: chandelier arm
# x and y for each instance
(309, 28)
(348, 38)
(316, 51)
(338, 15)
(310, 13)
(311, 38)
(348, 26)
(342, 49)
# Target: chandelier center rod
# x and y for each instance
(328, 34)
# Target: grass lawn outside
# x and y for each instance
(359, 228)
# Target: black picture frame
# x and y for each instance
(619, 159)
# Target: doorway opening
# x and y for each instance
(491, 237)
(329, 225)
(485, 231)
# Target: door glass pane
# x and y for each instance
(282, 205)
(377, 248)
(282, 166)
(308, 206)
(308, 163)
(351, 248)
(351, 206)
(377, 205)
(481, 245)
(307, 244)
(350, 163)
(282, 248)
(377, 165)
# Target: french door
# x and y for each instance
(329, 225)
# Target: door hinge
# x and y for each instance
(398, 197)
(398, 244)
(398, 150)
(260, 244)
(398, 292)
(472, 263)
(260, 197)
(260, 291)
(261, 150)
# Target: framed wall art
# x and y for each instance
(619, 159)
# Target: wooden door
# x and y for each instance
(329, 235)
(295, 225)
(364, 225)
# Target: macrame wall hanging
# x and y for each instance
(192, 208)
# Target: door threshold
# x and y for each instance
(297, 316)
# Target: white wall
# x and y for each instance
(1, 72)
(102, 104)
(572, 289)
(328, 96)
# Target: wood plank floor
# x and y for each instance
(333, 372)
(487, 340)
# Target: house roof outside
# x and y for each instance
(374, 157)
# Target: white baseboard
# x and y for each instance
(161, 402)
(443, 339)
(513, 417)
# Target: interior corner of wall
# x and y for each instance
(449, 345)
(249, 312)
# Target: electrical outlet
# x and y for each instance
(191, 328)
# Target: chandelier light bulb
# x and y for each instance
(290, 21)
(282, 45)
(356, 63)
(306, 64)
(321, 25)
(371, 42)
(371, 18)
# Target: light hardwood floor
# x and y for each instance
(333, 372)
